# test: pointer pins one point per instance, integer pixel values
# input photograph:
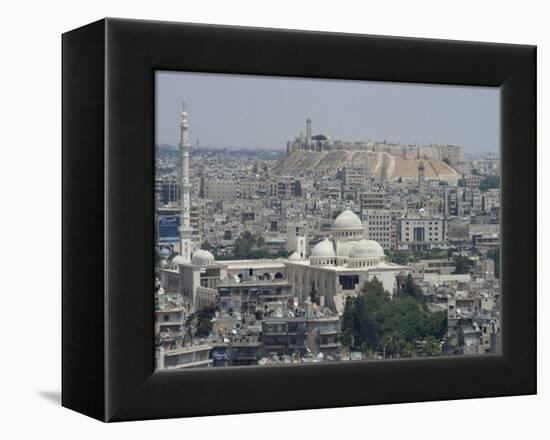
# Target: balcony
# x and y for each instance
(297, 332)
(328, 332)
(275, 333)
(170, 323)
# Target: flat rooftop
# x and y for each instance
(256, 264)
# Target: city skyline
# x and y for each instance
(343, 250)
(266, 112)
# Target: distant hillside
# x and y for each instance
(383, 165)
(167, 148)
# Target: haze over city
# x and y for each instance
(265, 112)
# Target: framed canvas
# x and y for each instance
(246, 271)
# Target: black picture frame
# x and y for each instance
(108, 224)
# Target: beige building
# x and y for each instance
(193, 356)
(421, 232)
(380, 227)
(218, 189)
(373, 200)
(198, 280)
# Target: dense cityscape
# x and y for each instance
(329, 250)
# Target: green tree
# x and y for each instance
(374, 322)
(410, 288)
(243, 245)
(463, 264)
(366, 334)
(431, 347)
(249, 246)
(392, 345)
(347, 322)
(203, 319)
(436, 324)
(204, 328)
(401, 257)
(436, 254)
(283, 253)
(374, 287)
(406, 317)
(260, 241)
(366, 325)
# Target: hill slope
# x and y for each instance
(382, 165)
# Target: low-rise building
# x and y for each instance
(302, 334)
(193, 356)
(251, 296)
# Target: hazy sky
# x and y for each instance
(265, 112)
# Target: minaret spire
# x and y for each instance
(185, 186)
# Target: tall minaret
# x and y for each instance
(308, 129)
(185, 187)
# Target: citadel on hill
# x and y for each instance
(388, 161)
(453, 154)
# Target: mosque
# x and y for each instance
(340, 265)
(337, 267)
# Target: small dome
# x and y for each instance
(324, 248)
(347, 220)
(295, 256)
(367, 249)
(178, 259)
(202, 258)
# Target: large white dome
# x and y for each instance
(324, 248)
(347, 220)
(366, 249)
(202, 258)
(345, 248)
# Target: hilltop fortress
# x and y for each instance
(388, 161)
